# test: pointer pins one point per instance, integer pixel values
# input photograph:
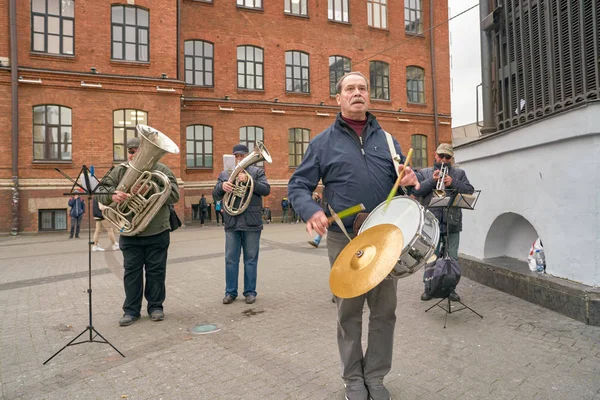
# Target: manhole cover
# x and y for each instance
(204, 329)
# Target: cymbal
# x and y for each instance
(366, 261)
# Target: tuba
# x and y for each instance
(440, 187)
(133, 215)
(237, 201)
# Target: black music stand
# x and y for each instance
(88, 186)
(458, 200)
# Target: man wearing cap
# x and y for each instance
(456, 181)
(242, 231)
(146, 250)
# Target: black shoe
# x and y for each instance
(333, 299)
(228, 299)
(454, 296)
(76, 236)
(157, 315)
(425, 296)
(313, 244)
(378, 392)
(250, 299)
(127, 320)
(70, 237)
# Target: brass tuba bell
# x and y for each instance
(237, 201)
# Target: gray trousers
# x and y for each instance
(377, 360)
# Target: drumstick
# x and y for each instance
(400, 175)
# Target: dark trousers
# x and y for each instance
(217, 215)
(202, 216)
(75, 224)
(149, 253)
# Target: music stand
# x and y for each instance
(86, 187)
(458, 200)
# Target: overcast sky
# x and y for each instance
(465, 62)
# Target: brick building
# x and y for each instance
(209, 74)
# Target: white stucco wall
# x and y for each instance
(548, 174)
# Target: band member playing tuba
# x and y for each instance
(353, 159)
(146, 249)
(241, 192)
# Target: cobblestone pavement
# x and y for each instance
(281, 347)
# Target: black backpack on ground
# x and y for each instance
(441, 277)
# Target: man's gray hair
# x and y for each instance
(338, 86)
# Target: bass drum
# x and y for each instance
(420, 228)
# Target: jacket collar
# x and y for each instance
(372, 124)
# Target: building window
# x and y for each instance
(338, 66)
(130, 33)
(419, 145)
(296, 7)
(199, 146)
(52, 220)
(296, 72)
(250, 3)
(52, 135)
(199, 62)
(377, 13)
(249, 135)
(380, 80)
(53, 26)
(298, 139)
(250, 67)
(415, 85)
(337, 10)
(124, 123)
(412, 17)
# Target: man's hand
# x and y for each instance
(119, 197)
(409, 178)
(317, 222)
(228, 186)
(436, 175)
(448, 181)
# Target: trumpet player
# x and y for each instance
(146, 250)
(243, 226)
(440, 180)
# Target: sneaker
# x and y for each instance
(454, 296)
(76, 236)
(228, 299)
(250, 299)
(313, 244)
(115, 246)
(358, 392)
(425, 296)
(378, 392)
(127, 320)
(157, 315)
(97, 248)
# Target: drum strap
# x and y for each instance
(390, 143)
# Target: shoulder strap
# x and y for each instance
(390, 143)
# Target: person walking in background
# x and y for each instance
(218, 211)
(285, 206)
(203, 206)
(77, 210)
(242, 231)
(317, 240)
(101, 222)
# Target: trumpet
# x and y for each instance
(440, 187)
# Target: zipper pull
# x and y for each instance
(362, 150)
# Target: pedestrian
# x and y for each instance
(203, 209)
(242, 231)
(285, 205)
(218, 211)
(353, 159)
(145, 251)
(77, 210)
(100, 223)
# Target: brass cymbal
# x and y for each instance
(366, 261)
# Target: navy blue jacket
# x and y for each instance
(251, 219)
(77, 207)
(353, 170)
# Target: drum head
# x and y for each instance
(403, 212)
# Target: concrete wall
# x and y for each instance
(541, 179)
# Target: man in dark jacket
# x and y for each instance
(242, 231)
(203, 209)
(456, 181)
(77, 210)
(146, 250)
(353, 159)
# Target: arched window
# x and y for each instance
(415, 85)
(130, 33)
(52, 135)
(199, 146)
(250, 69)
(380, 80)
(419, 145)
(249, 135)
(124, 122)
(338, 66)
(297, 72)
(199, 63)
(298, 139)
(53, 26)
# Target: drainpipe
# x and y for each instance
(178, 34)
(489, 125)
(14, 65)
(433, 87)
